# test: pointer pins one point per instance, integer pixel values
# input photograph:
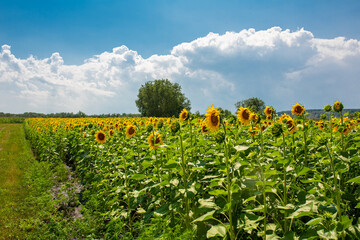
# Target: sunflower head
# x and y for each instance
(268, 111)
(159, 124)
(175, 127)
(327, 108)
(338, 106)
(100, 137)
(290, 125)
(277, 130)
(243, 115)
(298, 109)
(111, 132)
(252, 131)
(149, 127)
(155, 139)
(130, 131)
(184, 115)
(255, 118)
(321, 125)
(213, 118)
(204, 129)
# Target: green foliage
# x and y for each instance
(161, 98)
(254, 104)
(194, 187)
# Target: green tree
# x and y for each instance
(161, 98)
(254, 104)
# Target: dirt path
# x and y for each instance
(15, 156)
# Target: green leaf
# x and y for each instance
(207, 203)
(355, 180)
(218, 230)
(357, 205)
(303, 171)
(301, 212)
(138, 176)
(218, 192)
(241, 148)
(314, 221)
(206, 216)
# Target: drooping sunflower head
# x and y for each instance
(184, 115)
(243, 115)
(212, 118)
(100, 137)
(268, 111)
(155, 139)
(298, 109)
(130, 131)
(338, 106)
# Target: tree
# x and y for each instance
(161, 98)
(254, 104)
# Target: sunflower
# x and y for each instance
(268, 111)
(254, 118)
(111, 132)
(290, 125)
(204, 129)
(338, 106)
(157, 138)
(184, 115)
(321, 125)
(252, 131)
(100, 137)
(243, 115)
(130, 131)
(297, 109)
(212, 118)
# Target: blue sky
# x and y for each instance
(70, 34)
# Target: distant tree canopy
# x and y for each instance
(255, 104)
(161, 98)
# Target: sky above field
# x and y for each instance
(94, 55)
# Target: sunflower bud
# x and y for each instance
(277, 130)
(327, 108)
(323, 116)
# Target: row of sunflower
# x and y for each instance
(246, 176)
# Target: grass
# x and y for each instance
(28, 209)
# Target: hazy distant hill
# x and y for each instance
(316, 113)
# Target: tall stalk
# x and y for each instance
(185, 179)
(305, 144)
(284, 184)
(229, 193)
(335, 182)
(263, 180)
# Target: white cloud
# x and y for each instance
(279, 66)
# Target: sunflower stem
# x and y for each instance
(184, 169)
(229, 193)
(284, 183)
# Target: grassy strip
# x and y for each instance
(36, 198)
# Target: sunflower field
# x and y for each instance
(248, 176)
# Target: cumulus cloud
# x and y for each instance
(279, 66)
